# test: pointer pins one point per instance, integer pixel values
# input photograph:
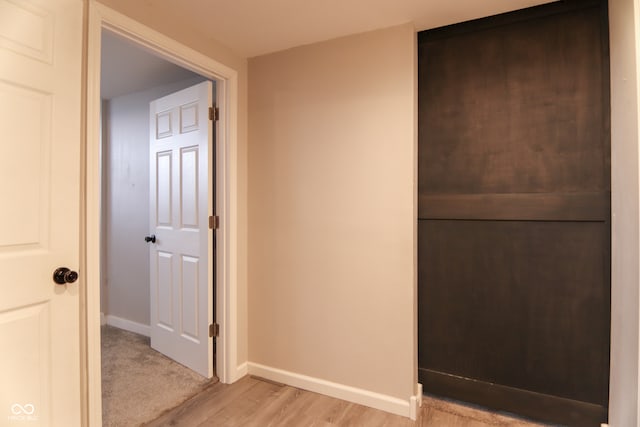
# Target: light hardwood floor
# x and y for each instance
(254, 402)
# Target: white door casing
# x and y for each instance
(230, 303)
(181, 268)
(40, 124)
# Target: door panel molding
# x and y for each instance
(181, 297)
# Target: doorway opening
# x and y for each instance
(157, 295)
(102, 18)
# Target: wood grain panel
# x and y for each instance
(517, 110)
(515, 303)
(521, 207)
(514, 211)
(529, 404)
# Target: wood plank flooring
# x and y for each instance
(254, 402)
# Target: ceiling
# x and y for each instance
(256, 27)
(253, 27)
(127, 68)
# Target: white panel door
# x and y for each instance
(40, 140)
(181, 264)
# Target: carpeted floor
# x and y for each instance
(138, 383)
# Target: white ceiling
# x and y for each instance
(126, 68)
(254, 27)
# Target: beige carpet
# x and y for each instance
(138, 383)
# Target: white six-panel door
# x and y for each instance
(40, 158)
(181, 202)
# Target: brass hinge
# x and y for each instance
(214, 222)
(214, 113)
(214, 330)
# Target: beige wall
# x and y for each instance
(331, 211)
(161, 20)
(624, 35)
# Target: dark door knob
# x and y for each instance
(63, 275)
(151, 238)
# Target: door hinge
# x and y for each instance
(214, 222)
(214, 330)
(214, 113)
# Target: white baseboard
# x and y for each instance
(406, 408)
(415, 402)
(128, 325)
(414, 407)
(242, 371)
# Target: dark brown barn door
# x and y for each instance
(514, 212)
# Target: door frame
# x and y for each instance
(102, 18)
